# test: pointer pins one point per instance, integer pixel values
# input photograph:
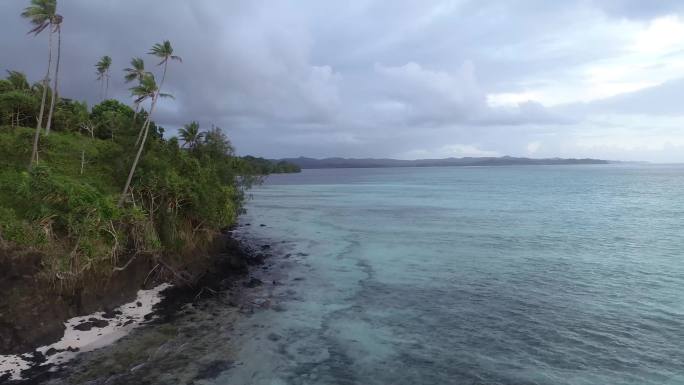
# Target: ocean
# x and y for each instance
(558, 275)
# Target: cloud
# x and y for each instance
(533, 147)
(660, 100)
(449, 151)
(419, 95)
(362, 78)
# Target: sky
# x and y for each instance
(400, 79)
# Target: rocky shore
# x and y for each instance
(31, 315)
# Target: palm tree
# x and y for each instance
(147, 89)
(18, 80)
(102, 72)
(41, 14)
(164, 51)
(57, 23)
(135, 72)
(191, 134)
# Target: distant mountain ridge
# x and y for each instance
(446, 162)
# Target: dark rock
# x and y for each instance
(213, 369)
(37, 358)
(84, 326)
(73, 350)
(98, 323)
(274, 337)
(138, 304)
(265, 247)
(91, 323)
(51, 351)
(257, 259)
(253, 282)
(110, 313)
(262, 225)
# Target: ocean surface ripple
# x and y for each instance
(511, 275)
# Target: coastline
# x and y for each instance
(230, 267)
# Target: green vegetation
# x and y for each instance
(102, 70)
(65, 206)
(105, 185)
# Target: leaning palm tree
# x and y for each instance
(164, 51)
(18, 80)
(57, 23)
(135, 72)
(147, 89)
(190, 134)
(41, 14)
(102, 71)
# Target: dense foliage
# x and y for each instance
(86, 187)
(65, 205)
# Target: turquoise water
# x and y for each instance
(504, 275)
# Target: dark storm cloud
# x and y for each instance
(365, 78)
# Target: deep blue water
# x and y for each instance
(487, 275)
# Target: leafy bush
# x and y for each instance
(65, 205)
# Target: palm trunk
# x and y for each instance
(135, 115)
(140, 133)
(161, 84)
(46, 85)
(146, 128)
(107, 86)
(55, 92)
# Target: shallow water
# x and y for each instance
(504, 275)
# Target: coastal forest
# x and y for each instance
(88, 188)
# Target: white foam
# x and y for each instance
(132, 313)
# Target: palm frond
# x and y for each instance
(41, 13)
(38, 29)
(103, 65)
(129, 77)
(164, 51)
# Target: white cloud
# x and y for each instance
(511, 99)
(662, 35)
(461, 150)
(448, 151)
(533, 147)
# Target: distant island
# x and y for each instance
(446, 162)
(260, 166)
